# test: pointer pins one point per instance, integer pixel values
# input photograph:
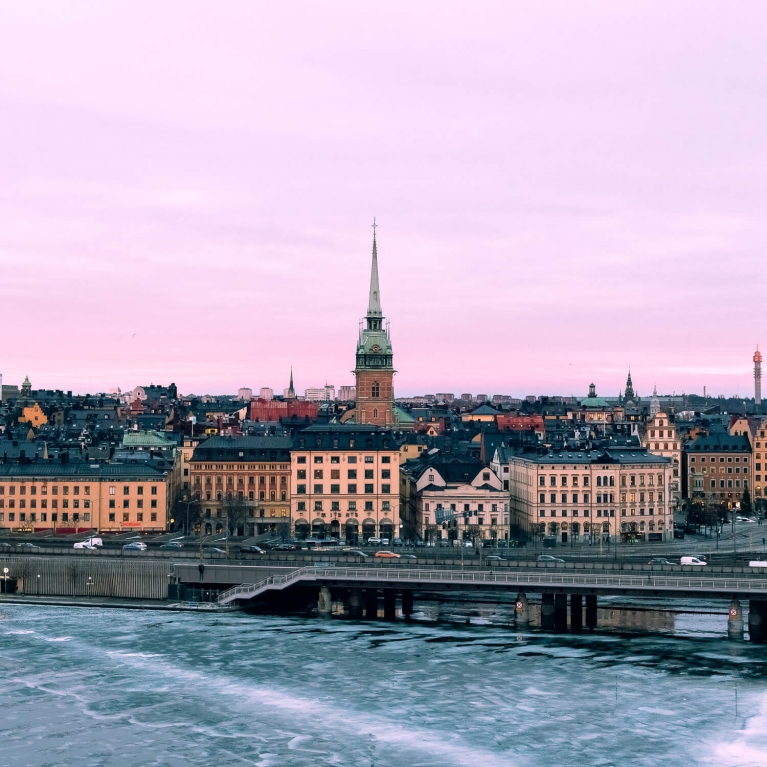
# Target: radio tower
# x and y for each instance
(757, 380)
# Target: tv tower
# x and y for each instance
(757, 380)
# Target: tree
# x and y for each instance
(745, 502)
(185, 502)
(236, 511)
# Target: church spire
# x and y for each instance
(374, 300)
(291, 391)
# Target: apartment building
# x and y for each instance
(68, 498)
(345, 482)
(717, 468)
(576, 494)
(660, 438)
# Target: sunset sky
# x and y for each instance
(564, 190)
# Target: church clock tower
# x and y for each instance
(374, 369)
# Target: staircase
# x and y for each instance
(273, 582)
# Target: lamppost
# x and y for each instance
(38, 584)
(5, 580)
(88, 586)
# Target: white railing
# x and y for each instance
(436, 577)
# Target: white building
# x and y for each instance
(244, 394)
(347, 393)
(266, 393)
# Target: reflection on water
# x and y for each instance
(107, 687)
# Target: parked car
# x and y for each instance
(443, 544)
(5, 545)
(172, 545)
(255, 550)
(384, 541)
(549, 558)
(757, 563)
(374, 541)
(134, 546)
(397, 542)
(743, 519)
(84, 545)
(356, 552)
(215, 550)
(660, 561)
(27, 545)
(408, 556)
(386, 555)
(692, 561)
(284, 547)
(419, 544)
(678, 533)
(494, 558)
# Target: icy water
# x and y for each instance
(120, 687)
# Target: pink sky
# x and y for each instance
(563, 190)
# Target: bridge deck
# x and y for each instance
(419, 579)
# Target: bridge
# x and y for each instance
(555, 587)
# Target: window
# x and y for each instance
(352, 505)
(335, 489)
(301, 489)
(542, 481)
(386, 459)
(111, 517)
(369, 459)
(111, 490)
(335, 458)
(126, 489)
(140, 516)
(351, 489)
(318, 459)
(542, 498)
(318, 489)
(318, 473)
(368, 505)
(126, 504)
(153, 516)
(111, 503)
(368, 473)
(368, 489)
(335, 506)
(335, 474)
(385, 488)
(126, 516)
(375, 390)
(301, 459)
(386, 474)
(139, 503)
(301, 506)
(318, 505)
(351, 474)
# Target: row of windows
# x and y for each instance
(241, 480)
(44, 503)
(44, 490)
(466, 507)
(349, 459)
(241, 496)
(250, 467)
(633, 480)
(139, 517)
(32, 517)
(350, 489)
(351, 506)
(126, 504)
(599, 513)
(350, 474)
(712, 459)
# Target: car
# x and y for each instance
(419, 544)
(386, 555)
(384, 541)
(408, 556)
(356, 552)
(134, 546)
(743, 519)
(397, 542)
(443, 544)
(172, 545)
(284, 547)
(692, 561)
(660, 561)
(678, 533)
(215, 550)
(5, 545)
(27, 545)
(549, 558)
(252, 550)
(494, 558)
(84, 545)
(373, 541)
(468, 545)
(323, 564)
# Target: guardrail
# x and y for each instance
(250, 590)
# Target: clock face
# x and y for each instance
(376, 348)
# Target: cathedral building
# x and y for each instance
(374, 370)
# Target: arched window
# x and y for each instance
(375, 414)
(375, 390)
(599, 481)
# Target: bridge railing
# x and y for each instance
(247, 590)
(754, 584)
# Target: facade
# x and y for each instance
(760, 459)
(274, 410)
(453, 500)
(660, 438)
(345, 481)
(592, 494)
(245, 394)
(374, 369)
(347, 393)
(717, 468)
(76, 497)
(265, 393)
(33, 414)
(245, 480)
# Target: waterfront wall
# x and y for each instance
(75, 577)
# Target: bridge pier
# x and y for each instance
(576, 612)
(591, 611)
(407, 603)
(324, 603)
(560, 612)
(547, 611)
(355, 603)
(390, 604)
(757, 620)
(522, 610)
(735, 620)
(371, 604)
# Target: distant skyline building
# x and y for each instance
(266, 393)
(244, 393)
(347, 393)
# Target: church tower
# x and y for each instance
(374, 369)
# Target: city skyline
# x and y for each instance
(557, 204)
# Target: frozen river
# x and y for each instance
(121, 687)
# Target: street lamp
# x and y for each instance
(88, 585)
(38, 584)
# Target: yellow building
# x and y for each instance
(345, 483)
(72, 497)
(34, 415)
